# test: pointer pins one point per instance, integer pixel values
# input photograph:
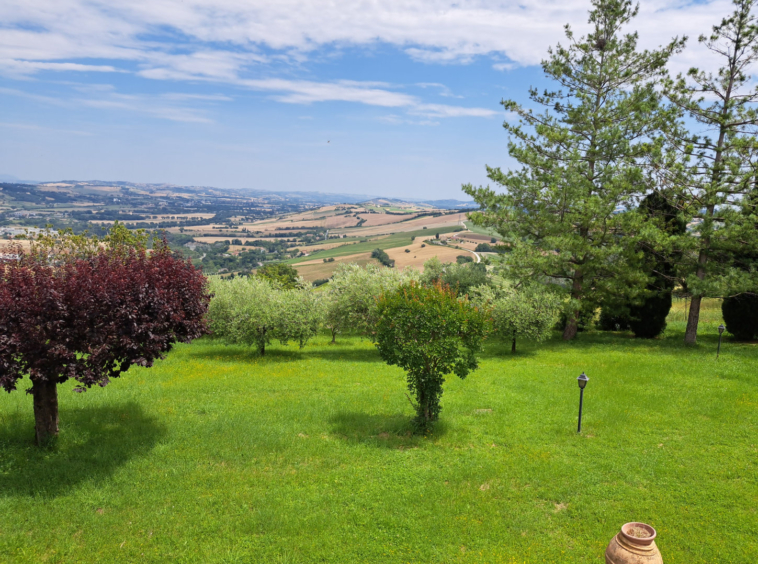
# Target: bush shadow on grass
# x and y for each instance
(495, 348)
(381, 430)
(672, 342)
(234, 354)
(93, 443)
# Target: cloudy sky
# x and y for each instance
(395, 97)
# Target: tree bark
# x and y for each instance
(513, 344)
(572, 326)
(690, 335)
(45, 394)
(334, 336)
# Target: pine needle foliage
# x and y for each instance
(581, 162)
(714, 169)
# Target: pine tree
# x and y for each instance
(714, 171)
(581, 163)
(647, 318)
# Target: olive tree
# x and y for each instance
(429, 332)
(245, 310)
(351, 302)
(463, 277)
(300, 315)
(528, 313)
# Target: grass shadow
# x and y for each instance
(275, 354)
(343, 354)
(672, 342)
(382, 431)
(93, 443)
(496, 348)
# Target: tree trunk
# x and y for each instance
(571, 328)
(334, 336)
(572, 325)
(262, 349)
(513, 344)
(690, 335)
(423, 409)
(45, 394)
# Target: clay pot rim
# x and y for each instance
(645, 541)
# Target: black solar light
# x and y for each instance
(582, 380)
(721, 332)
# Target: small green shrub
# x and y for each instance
(430, 333)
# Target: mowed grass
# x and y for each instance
(217, 456)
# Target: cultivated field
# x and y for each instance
(215, 455)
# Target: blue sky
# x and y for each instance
(386, 98)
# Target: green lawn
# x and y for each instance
(217, 456)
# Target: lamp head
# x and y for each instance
(582, 380)
(721, 328)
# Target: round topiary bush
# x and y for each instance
(612, 320)
(741, 316)
(648, 320)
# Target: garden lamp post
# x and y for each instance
(582, 380)
(721, 332)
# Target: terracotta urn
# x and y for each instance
(634, 544)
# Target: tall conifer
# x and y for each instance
(714, 170)
(581, 162)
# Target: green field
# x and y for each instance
(377, 242)
(482, 230)
(217, 456)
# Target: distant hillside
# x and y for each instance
(169, 198)
(420, 204)
(158, 198)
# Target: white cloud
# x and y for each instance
(504, 66)
(35, 127)
(399, 120)
(52, 100)
(17, 67)
(240, 41)
(443, 90)
(206, 97)
(441, 111)
(168, 106)
(306, 92)
(218, 38)
(153, 106)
